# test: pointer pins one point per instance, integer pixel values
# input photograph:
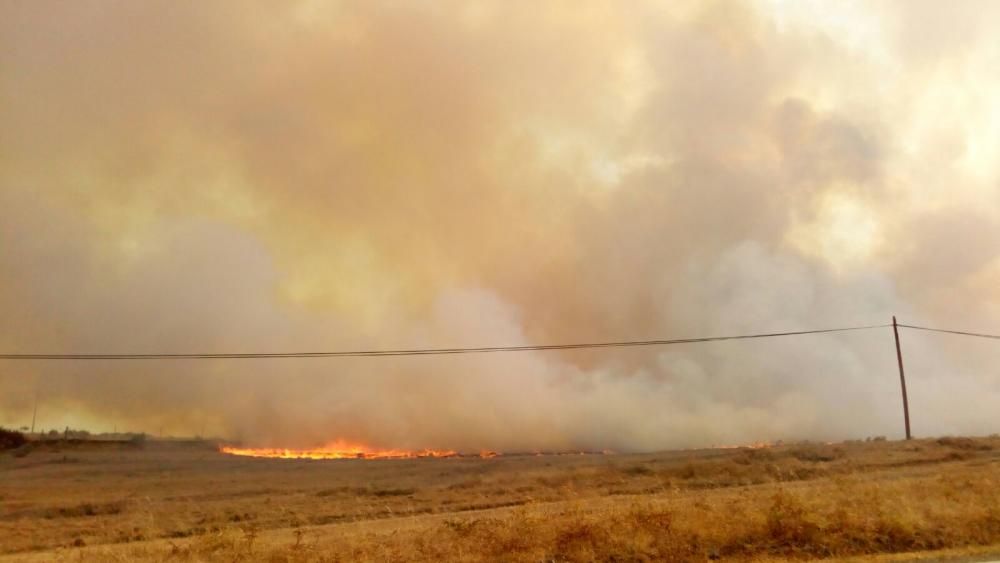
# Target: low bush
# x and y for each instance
(10, 439)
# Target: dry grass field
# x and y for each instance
(186, 502)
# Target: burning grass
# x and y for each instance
(799, 501)
(336, 450)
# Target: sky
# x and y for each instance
(313, 175)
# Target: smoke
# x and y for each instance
(181, 177)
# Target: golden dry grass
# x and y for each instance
(806, 501)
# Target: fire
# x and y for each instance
(342, 449)
(339, 449)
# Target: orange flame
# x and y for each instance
(336, 450)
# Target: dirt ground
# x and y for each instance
(867, 500)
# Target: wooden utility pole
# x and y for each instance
(902, 378)
(34, 414)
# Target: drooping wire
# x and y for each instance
(424, 351)
(959, 332)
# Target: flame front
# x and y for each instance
(336, 450)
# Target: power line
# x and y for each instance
(424, 351)
(959, 332)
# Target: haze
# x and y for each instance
(308, 175)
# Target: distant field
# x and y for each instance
(187, 502)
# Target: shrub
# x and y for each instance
(637, 470)
(10, 439)
(815, 453)
(964, 444)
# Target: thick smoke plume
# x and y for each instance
(221, 177)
